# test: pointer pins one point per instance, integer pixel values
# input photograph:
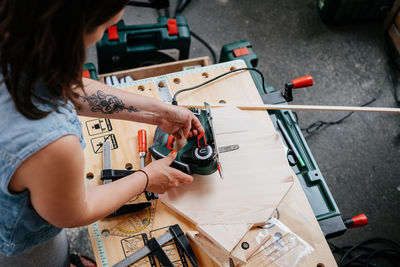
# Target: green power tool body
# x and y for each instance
(198, 155)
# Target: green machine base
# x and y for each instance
(310, 177)
(193, 157)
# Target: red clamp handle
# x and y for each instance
(201, 140)
(304, 81)
(296, 83)
(356, 221)
(142, 140)
(170, 142)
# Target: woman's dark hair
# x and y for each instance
(41, 41)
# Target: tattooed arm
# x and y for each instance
(108, 102)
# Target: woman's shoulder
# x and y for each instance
(61, 156)
(21, 137)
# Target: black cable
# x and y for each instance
(394, 78)
(381, 251)
(315, 126)
(357, 258)
(174, 102)
(360, 244)
(343, 250)
(214, 57)
(181, 5)
(394, 248)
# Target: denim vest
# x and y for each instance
(21, 227)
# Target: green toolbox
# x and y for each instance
(242, 50)
(306, 169)
(125, 47)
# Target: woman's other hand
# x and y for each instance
(162, 177)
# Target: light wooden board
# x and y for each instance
(160, 69)
(295, 210)
(256, 178)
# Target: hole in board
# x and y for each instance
(320, 265)
(316, 174)
(277, 236)
(161, 84)
(177, 80)
(222, 101)
(232, 68)
(245, 245)
(141, 88)
(205, 75)
(105, 233)
(128, 166)
(90, 175)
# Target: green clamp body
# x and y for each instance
(197, 156)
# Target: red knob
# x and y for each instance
(142, 140)
(360, 220)
(356, 221)
(304, 81)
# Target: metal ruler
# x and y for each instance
(161, 81)
(99, 245)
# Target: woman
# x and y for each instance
(42, 189)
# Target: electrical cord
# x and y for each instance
(206, 45)
(182, 4)
(174, 102)
(315, 126)
(390, 253)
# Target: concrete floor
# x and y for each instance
(358, 158)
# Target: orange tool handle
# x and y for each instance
(304, 81)
(170, 142)
(142, 140)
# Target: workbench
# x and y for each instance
(115, 238)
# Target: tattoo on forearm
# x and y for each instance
(108, 104)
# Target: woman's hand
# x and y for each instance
(180, 118)
(162, 177)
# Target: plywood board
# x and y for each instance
(256, 178)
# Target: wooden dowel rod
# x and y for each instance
(302, 107)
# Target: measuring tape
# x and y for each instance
(161, 81)
(99, 244)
